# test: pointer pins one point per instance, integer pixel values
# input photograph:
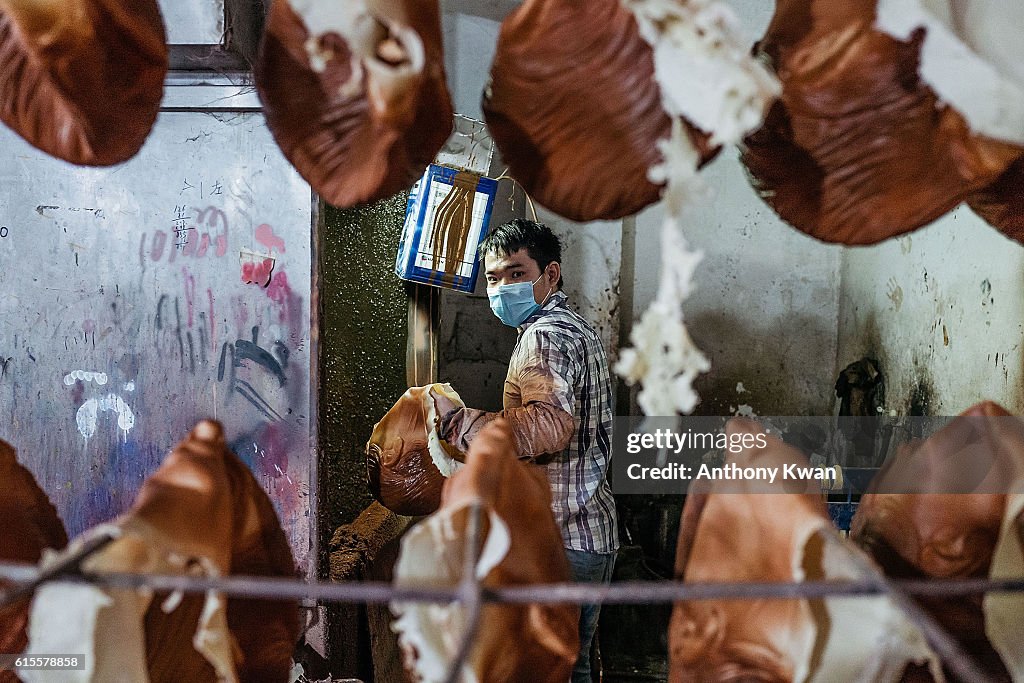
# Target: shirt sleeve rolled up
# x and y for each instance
(545, 369)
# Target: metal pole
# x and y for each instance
(963, 666)
(68, 564)
(620, 593)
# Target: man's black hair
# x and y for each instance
(542, 245)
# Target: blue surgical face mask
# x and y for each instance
(513, 303)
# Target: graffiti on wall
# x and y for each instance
(127, 321)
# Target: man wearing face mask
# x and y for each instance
(557, 400)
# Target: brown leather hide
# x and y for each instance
(1002, 202)
(514, 642)
(575, 110)
(736, 531)
(399, 468)
(203, 501)
(927, 533)
(82, 80)
(29, 524)
(859, 149)
(353, 129)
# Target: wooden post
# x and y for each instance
(421, 348)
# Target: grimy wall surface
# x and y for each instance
(125, 317)
(941, 311)
(363, 341)
(364, 327)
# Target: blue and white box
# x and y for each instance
(446, 218)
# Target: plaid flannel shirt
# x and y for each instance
(557, 370)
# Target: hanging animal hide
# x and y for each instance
(1001, 204)
(200, 513)
(935, 510)
(1004, 612)
(355, 94)
(407, 462)
(574, 107)
(82, 80)
(879, 129)
(520, 545)
(30, 525)
(763, 531)
(706, 76)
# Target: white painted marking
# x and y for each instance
(85, 376)
(88, 415)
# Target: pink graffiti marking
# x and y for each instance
(190, 292)
(159, 241)
(204, 244)
(241, 312)
(279, 291)
(265, 236)
(213, 218)
(213, 321)
(210, 226)
(257, 271)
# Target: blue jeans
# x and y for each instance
(589, 568)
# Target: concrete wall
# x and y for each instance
(942, 311)
(766, 304)
(195, 22)
(469, 44)
(126, 315)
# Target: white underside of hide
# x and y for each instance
(356, 22)
(1004, 612)
(987, 91)
(444, 463)
(351, 20)
(663, 357)
(432, 555)
(703, 66)
(106, 625)
(859, 639)
(705, 74)
(85, 620)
